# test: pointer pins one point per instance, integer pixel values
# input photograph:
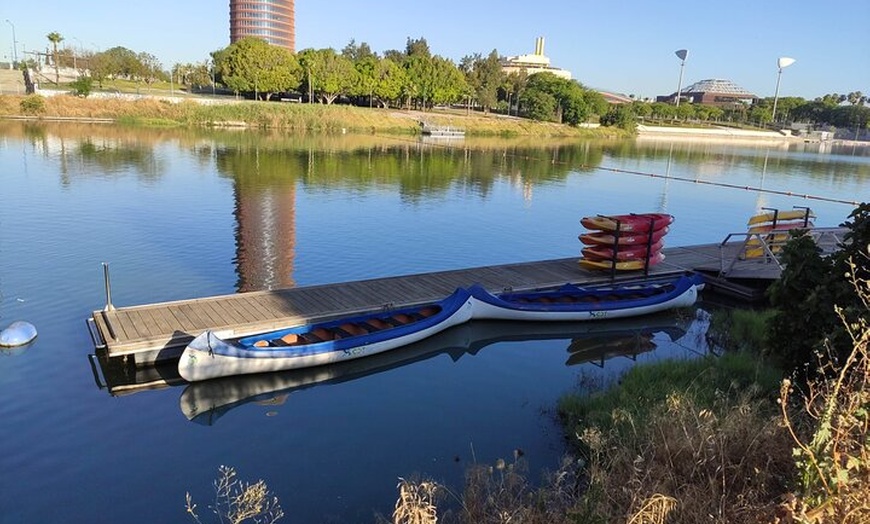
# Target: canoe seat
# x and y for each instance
(310, 338)
(376, 324)
(339, 332)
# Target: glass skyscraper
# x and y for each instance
(271, 20)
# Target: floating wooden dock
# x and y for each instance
(155, 332)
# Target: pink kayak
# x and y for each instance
(634, 223)
(609, 239)
(628, 252)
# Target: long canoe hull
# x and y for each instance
(571, 303)
(208, 356)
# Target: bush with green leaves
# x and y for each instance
(33, 105)
(810, 287)
(82, 86)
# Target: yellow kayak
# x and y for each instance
(624, 265)
(785, 226)
(794, 214)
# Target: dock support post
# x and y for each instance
(109, 306)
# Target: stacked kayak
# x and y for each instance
(772, 229)
(624, 242)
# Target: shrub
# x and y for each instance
(834, 461)
(808, 290)
(33, 105)
(82, 86)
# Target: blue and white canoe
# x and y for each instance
(572, 303)
(208, 356)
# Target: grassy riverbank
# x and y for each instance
(284, 116)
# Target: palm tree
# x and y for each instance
(55, 38)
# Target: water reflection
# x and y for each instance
(593, 342)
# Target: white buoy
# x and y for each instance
(17, 334)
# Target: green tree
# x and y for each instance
(55, 38)
(418, 47)
(336, 73)
(761, 114)
(574, 104)
(99, 67)
(514, 84)
(148, 68)
(621, 116)
(251, 65)
(448, 83)
(538, 104)
(357, 53)
(390, 77)
(121, 62)
(856, 98)
(484, 77)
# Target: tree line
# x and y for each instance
(415, 78)
(840, 111)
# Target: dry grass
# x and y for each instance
(294, 117)
(834, 458)
(237, 502)
(722, 465)
(416, 502)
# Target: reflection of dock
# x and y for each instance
(147, 333)
(434, 131)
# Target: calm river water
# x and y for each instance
(183, 214)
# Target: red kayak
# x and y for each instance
(634, 223)
(609, 239)
(629, 252)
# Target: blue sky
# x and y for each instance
(625, 46)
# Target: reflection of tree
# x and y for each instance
(727, 157)
(109, 156)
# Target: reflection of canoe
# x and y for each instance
(609, 239)
(571, 302)
(626, 265)
(205, 402)
(631, 252)
(603, 349)
(776, 216)
(208, 356)
(628, 223)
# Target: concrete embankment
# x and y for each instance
(717, 133)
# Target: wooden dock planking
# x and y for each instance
(160, 331)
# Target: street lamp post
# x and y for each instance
(81, 51)
(14, 43)
(781, 64)
(681, 54)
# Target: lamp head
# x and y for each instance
(682, 53)
(784, 62)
